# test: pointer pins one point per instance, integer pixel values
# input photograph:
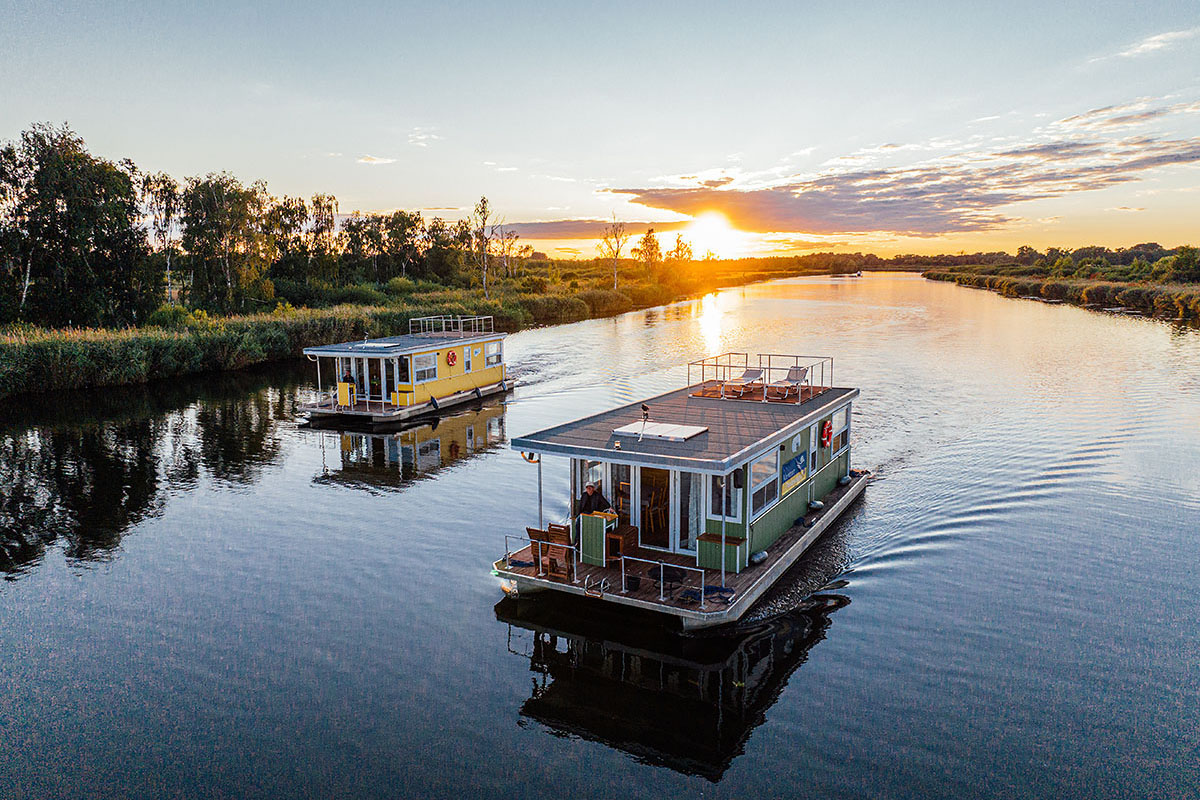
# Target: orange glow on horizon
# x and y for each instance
(711, 232)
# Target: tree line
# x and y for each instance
(86, 241)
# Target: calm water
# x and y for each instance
(203, 599)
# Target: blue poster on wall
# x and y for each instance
(794, 472)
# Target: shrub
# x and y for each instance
(170, 317)
(605, 302)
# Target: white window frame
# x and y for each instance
(844, 429)
(416, 370)
(466, 359)
(493, 354)
(754, 487)
(738, 500)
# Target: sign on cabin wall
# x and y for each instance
(794, 472)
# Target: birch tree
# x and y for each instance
(483, 229)
(612, 242)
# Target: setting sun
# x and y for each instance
(711, 231)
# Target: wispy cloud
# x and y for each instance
(423, 137)
(375, 160)
(1157, 42)
(1125, 208)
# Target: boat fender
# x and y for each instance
(478, 394)
(816, 505)
(759, 557)
(433, 402)
(842, 481)
(451, 357)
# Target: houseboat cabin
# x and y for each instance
(442, 361)
(710, 492)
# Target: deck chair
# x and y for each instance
(556, 556)
(742, 384)
(537, 544)
(792, 382)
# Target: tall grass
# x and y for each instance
(1177, 301)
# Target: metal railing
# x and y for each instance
(448, 325)
(541, 546)
(661, 577)
(714, 372)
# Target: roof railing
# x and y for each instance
(449, 325)
(771, 377)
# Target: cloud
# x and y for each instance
(1157, 42)
(586, 228)
(964, 187)
(960, 192)
(1125, 208)
(375, 160)
(423, 137)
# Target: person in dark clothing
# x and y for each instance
(593, 501)
(347, 378)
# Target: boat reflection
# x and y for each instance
(687, 702)
(379, 460)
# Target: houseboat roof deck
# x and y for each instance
(423, 334)
(733, 428)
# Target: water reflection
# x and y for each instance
(379, 460)
(688, 703)
(80, 475)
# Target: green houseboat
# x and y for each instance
(442, 361)
(710, 492)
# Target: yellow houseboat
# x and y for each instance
(706, 494)
(441, 362)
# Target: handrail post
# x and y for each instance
(623, 589)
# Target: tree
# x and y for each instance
(402, 240)
(323, 237)
(71, 247)
(446, 248)
(483, 229)
(160, 193)
(681, 253)
(1186, 265)
(612, 242)
(649, 253)
(229, 245)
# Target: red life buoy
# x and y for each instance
(452, 357)
(826, 433)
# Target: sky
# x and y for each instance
(749, 128)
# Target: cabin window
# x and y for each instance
(841, 429)
(425, 367)
(764, 481)
(724, 505)
(403, 376)
(467, 359)
(493, 354)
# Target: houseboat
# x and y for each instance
(711, 492)
(442, 361)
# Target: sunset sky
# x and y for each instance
(754, 128)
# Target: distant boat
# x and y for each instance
(441, 362)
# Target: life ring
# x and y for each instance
(532, 458)
(826, 433)
(452, 357)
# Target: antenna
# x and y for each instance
(645, 416)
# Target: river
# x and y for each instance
(201, 597)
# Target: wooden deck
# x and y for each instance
(754, 393)
(747, 586)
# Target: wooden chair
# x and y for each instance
(557, 553)
(537, 545)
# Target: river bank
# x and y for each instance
(38, 360)
(1168, 300)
